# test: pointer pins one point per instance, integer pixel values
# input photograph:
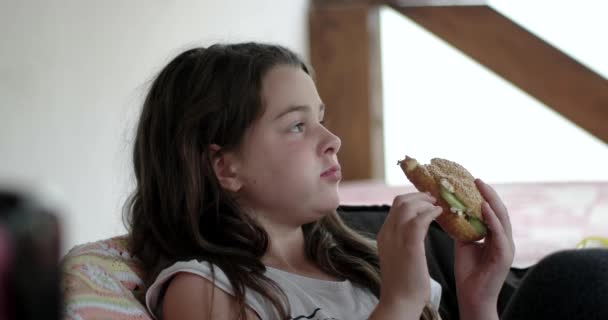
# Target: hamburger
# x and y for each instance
(455, 190)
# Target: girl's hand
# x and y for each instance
(480, 269)
(405, 282)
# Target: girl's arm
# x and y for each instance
(191, 297)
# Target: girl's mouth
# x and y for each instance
(333, 173)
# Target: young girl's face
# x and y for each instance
(289, 166)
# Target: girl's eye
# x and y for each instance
(298, 127)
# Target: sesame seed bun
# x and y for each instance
(426, 178)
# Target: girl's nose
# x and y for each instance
(332, 143)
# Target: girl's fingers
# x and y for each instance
(411, 210)
(497, 230)
(405, 206)
(419, 225)
(423, 196)
(496, 204)
(434, 213)
(429, 214)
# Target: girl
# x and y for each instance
(234, 213)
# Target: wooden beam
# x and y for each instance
(523, 59)
(345, 53)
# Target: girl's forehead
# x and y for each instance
(285, 86)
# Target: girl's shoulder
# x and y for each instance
(202, 269)
(211, 273)
(189, 296)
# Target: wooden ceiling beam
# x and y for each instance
(528, 62)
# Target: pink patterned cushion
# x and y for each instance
(99, 281)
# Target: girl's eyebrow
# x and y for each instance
(299, 108)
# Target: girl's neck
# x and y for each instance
(287, 252)
(286, 248)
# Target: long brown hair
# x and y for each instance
(178, 211)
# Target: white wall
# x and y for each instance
(73, 74)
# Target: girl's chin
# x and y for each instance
(319, 214)
(331, 206)
(327, 205)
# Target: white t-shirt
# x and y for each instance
(309, 298)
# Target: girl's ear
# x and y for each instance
(224, 166)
